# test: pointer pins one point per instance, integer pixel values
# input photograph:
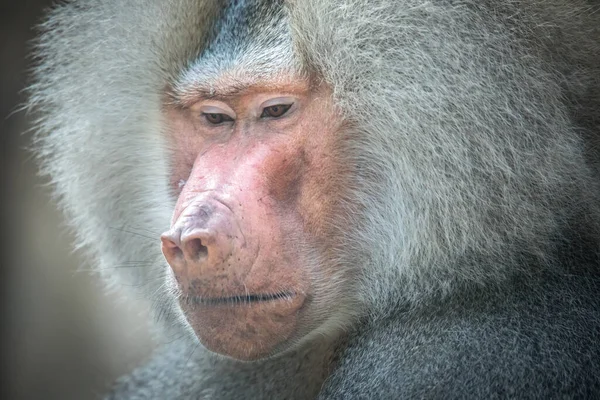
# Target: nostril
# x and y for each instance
(170, 250)
(176, 252)
(195, 249)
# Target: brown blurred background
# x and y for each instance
(63, 338)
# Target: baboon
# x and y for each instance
(337, 199)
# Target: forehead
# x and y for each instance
(227, 88)
(250, 45)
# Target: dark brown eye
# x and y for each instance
(217, 119)
(275, 111)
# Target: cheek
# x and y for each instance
(306, 180)
(325, 181)
(284, 176)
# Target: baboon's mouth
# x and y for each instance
(238, 300)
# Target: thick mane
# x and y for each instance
(462, 175)
(107, 162)
(480, 169)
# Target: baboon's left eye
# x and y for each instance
(275, 111)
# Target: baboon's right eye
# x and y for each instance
(216, 119)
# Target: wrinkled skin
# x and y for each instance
(255, 196)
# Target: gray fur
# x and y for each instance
(474, 139)
(244, 42)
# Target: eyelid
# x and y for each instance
(278, 101)
(207, 109)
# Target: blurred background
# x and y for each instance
(62, 336)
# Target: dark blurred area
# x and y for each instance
(63, 337)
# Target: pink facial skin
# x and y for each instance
(256, 196)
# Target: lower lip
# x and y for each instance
(244, 327)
